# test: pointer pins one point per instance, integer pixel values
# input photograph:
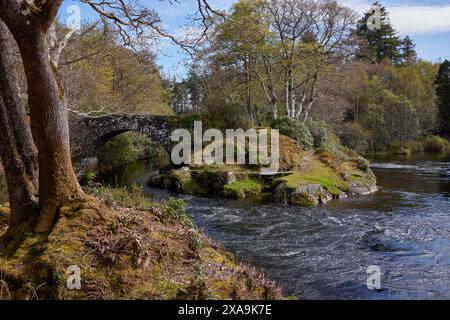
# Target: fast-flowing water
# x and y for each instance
(324, 252)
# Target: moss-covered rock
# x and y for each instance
(243, 189)
(322, 178)
(178, 178)
(214, 179)
(303, 195)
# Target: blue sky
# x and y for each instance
(426, 21)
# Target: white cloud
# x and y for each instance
(421, 19)
(412, 19)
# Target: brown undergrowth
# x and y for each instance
(126, 252)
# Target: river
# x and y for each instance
(323, 252)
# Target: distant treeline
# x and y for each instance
(316, 60)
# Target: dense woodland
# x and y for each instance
(317, 62)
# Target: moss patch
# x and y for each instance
(243, 189)
(318, 173)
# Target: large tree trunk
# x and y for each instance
(248, 90)
(58, 184)
(18, 153)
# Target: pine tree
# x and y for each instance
(382, 43)
(408, 51)
(195, 90)
(443, 94)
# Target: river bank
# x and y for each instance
(323, 251)
(136, 249)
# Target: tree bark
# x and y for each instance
(58, 185)
(18, 152)
(248, 90)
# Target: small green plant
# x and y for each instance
(197, 289)
(89, 179)
(195, 240)
(175, 209)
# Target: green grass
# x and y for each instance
(243, 189)
(322, 175)
(130, 197)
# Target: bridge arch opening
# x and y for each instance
(127, 155)
(91, 135)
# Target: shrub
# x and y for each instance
(325, 139)
(362, 163)
(294, 130)
(89, 179)
(415, 145)
(187, 121)
(319, 131)
(175, 209)
(436, 144)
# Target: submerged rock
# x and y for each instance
(361, 189)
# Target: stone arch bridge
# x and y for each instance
(87, 134)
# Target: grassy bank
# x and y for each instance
(131, 248)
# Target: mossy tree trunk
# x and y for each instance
(17, 149)
(58, 185)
